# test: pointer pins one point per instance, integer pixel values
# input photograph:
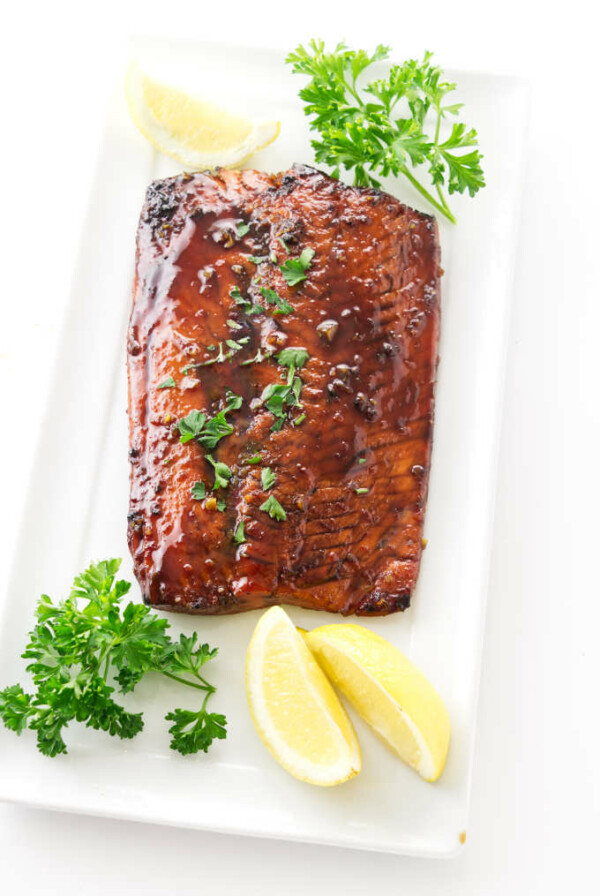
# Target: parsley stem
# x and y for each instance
(444, 203)
(437, 128)
(354, 92)
(443, 209)
(105, 657)
(206, 698)
(205, 686)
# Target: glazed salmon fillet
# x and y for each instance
(282, 354)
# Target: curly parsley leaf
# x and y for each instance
(193, 731)
(84, 648)
(186, 656)
(382, 127)
(16, 707)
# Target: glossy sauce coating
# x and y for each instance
(368, 316)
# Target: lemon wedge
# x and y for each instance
(197, 133)
(294, 708)
(388, 691)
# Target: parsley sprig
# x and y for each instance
(84, 649)
(381, 127)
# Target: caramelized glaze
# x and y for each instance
(368, 315)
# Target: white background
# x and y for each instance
(535, 816)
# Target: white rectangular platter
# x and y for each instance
(77, 504)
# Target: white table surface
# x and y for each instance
(535, 816)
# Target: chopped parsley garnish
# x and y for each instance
(198, 491)
(233, 325)
(234, 402)
(242, 228)
(245, 304)
(299, 420)
(273, 258)
(294, 269)
(258, 259)
(237, 346)
(222, 473)
(255, 459)
(208, 431)
(239, 536)
(362, 491)
(273, 298)
(214, 430)
(191, 426)
(362, 460)
(267, 478)
(218, 359)
(258, 357)
(273, 508)
(169, 383)
(293, 357)
(278, 397)
(221, 505)
(232, 344)
(284, 244)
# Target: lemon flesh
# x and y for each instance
(294, 708)
(388, 691)
(197, 133)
